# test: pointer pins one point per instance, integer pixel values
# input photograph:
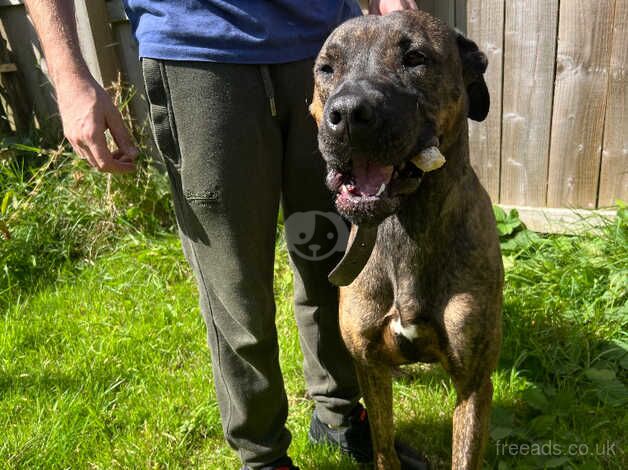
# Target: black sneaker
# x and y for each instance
(353, 437)
(284, 463)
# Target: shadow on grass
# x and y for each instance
(21, 384)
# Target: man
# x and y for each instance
(228, 83)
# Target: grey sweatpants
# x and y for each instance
(232, 154)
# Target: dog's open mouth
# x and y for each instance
(369, 191)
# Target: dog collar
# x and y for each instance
(360, 245)
(359, 248)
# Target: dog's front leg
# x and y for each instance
(470, 426)
(376, 386)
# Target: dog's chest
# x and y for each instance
(407, 284)
(404, 289)
(412, 275)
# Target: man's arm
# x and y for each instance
(87, 111)
(382, 7)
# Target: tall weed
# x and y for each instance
(55, 209)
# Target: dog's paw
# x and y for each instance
(410, 458)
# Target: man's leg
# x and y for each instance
(223, 150)
(328, 367)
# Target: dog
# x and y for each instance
(423, 273)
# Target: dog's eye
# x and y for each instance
(414, 59)
(326, 69)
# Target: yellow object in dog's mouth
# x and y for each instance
(429, 159)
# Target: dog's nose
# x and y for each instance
(350, 113)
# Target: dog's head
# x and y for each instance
(386, 88)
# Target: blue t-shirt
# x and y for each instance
(235, 31)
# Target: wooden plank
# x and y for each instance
(128, 54)
(583, 59)
(86, 40)
(9, 67)
(529, 56)
(5, 127)
(30, 62)
(614, 170)
(461, 15)
(116, 12)
(96, 40)
(570, 221)
(15, 100)
(485, 23)
(427, 5)
(445, 10)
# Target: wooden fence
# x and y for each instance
(106, 42)
(556, 136)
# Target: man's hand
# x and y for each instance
(383, 7)
(87, 111)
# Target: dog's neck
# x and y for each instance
(442, 188)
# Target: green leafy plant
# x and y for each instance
(508, 223)
(513, 234)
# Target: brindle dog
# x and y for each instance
(431, 291)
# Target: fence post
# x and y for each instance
(96, 40)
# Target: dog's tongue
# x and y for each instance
(370, 176)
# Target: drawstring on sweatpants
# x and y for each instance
(268, 87)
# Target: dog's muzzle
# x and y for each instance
(375, 154)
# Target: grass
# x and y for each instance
(55, 211)
(107, 367)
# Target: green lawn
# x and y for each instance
(107, 367)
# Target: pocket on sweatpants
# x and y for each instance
(160, 108)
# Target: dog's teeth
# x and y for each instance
(429, 159)
(382, 188)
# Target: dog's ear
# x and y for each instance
(474, 63)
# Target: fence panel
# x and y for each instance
(529, 53)
(461, 15)
(485, 25)
(128, 53)
(28, 57)
(451, 11)
(583, 59)
(14, 98)
(96, 40)
(614, 171)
